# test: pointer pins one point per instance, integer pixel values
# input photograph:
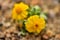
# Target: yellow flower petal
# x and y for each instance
(35, 24)
(19, 11)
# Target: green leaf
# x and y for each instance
(43, 16)
(34, 10)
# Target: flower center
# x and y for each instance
(36, 25)
(18, 10)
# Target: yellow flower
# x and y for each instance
(19, 11)
(35, 24)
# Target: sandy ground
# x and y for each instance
(8, 29)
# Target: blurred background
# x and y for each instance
(50, 7)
